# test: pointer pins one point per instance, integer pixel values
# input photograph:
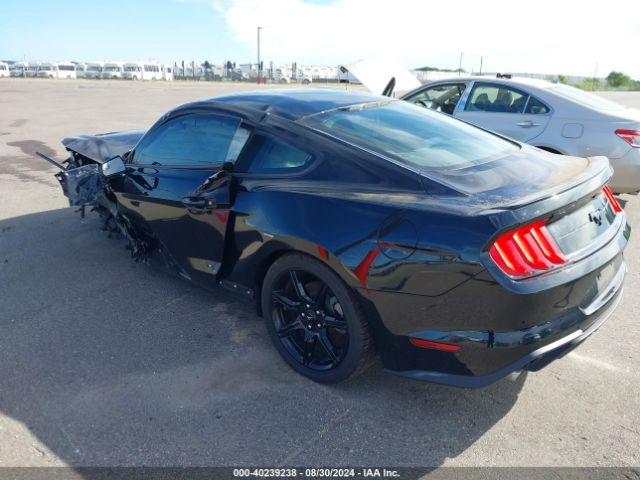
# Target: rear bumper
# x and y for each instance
(626, 172)
(532, 361)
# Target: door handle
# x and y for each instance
(198, 204)
(527, 124)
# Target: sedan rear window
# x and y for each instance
(412, 135)
(586, 99)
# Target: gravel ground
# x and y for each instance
(107, 362)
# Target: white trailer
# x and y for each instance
(4, 69)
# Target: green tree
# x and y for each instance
(562, 79)
(618, 79)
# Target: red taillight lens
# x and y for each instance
(445, 347)
(632, 137)
(526, 250)
(612, 200)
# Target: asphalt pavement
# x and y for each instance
(107, 362)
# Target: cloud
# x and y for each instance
(548, 36)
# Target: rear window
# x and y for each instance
(586, 99)
(412, 135)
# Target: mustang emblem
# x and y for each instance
(596, 217)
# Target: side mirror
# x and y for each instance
(113, 167)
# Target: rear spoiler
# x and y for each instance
(595, 176)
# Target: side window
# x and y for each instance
(193, 140)
(274, 156)
(442, 98)
(536, 107)
(496, 98)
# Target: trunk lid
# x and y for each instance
(521, 178)
(382, 76)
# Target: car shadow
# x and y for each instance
(108, 362)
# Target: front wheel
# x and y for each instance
(314, 320)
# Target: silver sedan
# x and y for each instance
(555, 117)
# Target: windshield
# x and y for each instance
(132, 69)
(412, 135)
(586, 99)
(33, 69)
(94, 68)
(112, 69)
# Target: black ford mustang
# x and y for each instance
(357, 223)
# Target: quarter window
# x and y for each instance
(274, 156)
(193, 140)
(497, 99)
(536, 107)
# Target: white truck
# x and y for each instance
(112, 70)
(93, 70)
(132, 71)
(17, 69)
(4, 69)
(31, 70)
(81, 70)
(47, 70)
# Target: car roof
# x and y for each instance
(295, 103)
(527, 81)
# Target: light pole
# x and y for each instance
(259, 69)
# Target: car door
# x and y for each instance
(505, 110)
(443, 97)
(177, 188)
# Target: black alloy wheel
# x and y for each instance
(314, 320)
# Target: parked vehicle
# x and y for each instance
(47, 70)
(112, 70)
(555, 117)
(81, 70)
(132, 71)
(31, 70)
(66, 70)
(151, 71)
(351, 220)
(93, 70)
(18, 69)
(167, 73)
(4, 70)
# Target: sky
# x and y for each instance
(546, 36)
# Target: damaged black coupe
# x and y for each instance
(358, 224)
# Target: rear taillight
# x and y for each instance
(526, 250)
(632, 137)
(612, 200)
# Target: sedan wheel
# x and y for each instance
(313, 320)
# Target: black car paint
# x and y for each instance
(411, 244)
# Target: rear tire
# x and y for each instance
(317, 327)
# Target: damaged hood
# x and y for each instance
(376, 74)
(105, 146)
